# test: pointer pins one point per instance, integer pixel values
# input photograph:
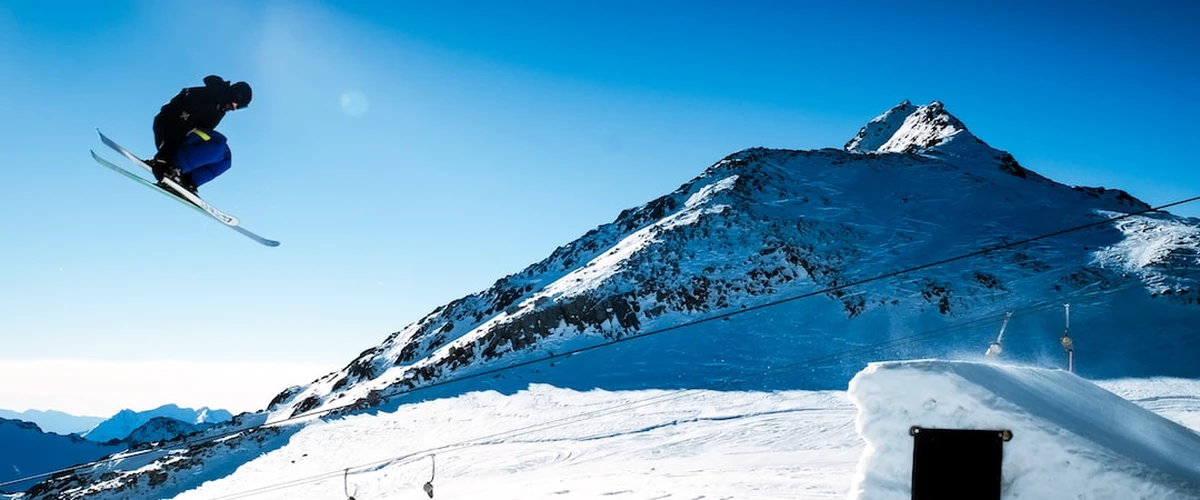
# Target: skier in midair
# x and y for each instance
(190, 151)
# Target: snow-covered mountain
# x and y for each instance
(914, 187)
(119, 426)
(27, 450)
(164, 429)
(54, 421)
(773, 270)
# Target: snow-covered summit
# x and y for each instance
(880, 130)
(908, 128)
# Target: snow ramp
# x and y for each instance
(1070, 438)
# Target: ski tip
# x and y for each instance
(255, 237)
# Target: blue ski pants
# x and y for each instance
(203, 155)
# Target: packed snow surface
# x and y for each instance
(553, 443)
(1070, 438)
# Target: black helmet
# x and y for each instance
(240, 93)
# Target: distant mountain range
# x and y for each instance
(121, 425)
(54, 421)
(27, 449)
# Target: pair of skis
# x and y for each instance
(175, 191)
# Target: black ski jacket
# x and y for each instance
(194, 107)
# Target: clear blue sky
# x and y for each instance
(410, 153)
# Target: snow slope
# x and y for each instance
(1071, 439)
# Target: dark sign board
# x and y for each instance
(957, 464)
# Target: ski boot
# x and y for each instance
(162, 169)
(185, 180)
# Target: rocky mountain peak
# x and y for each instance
(909, 128)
